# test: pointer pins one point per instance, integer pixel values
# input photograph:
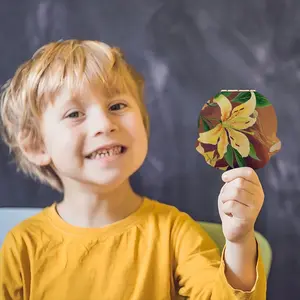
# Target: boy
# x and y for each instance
(74, 118)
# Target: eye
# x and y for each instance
(118, 106)
(74, 115)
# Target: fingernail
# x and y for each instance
(224, 176)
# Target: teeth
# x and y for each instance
(106, 152)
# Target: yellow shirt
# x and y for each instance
(154, 254)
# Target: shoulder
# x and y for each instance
(178, 222)
(159, 208)
(28, 230)
(169, 213)
(163, 208)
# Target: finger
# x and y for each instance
(238, 195)
(223, 188)
(244, 184)
(235, 209)
(253, 198)
(244, 172)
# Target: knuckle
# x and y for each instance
(221, 198)
(235, 193)
(251, 172)
(231, 204)
(240, 182)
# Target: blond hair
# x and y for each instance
(71, 64)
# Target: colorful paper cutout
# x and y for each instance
(237, 128)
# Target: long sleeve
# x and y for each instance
(11, 287)
(200, 271)
(158, 249)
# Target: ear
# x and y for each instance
(37, 154)
(33, 149)
(40, 158)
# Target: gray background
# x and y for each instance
(187, 51)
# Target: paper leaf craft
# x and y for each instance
(237, 129)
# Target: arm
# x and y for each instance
(240, 201)
(240, 259)
(201, 273)
(11, 287)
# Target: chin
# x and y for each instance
(110, 182)
(115, 174)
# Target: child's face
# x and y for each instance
(73, 128)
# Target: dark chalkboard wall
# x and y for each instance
(187, 51)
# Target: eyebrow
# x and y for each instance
(62, 104)
(68, 101)
(123, 95)
(77, 99)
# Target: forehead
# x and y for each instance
(63, 81)
(89, 93)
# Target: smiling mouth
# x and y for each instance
(110, 152)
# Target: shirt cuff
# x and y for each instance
(258, 291)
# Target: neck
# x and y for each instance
(97, 209)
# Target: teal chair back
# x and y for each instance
(215, 232)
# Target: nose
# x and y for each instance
(101, 122)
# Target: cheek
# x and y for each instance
(61, 142)
(138, 130)
(138, 135)
(141, 141)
